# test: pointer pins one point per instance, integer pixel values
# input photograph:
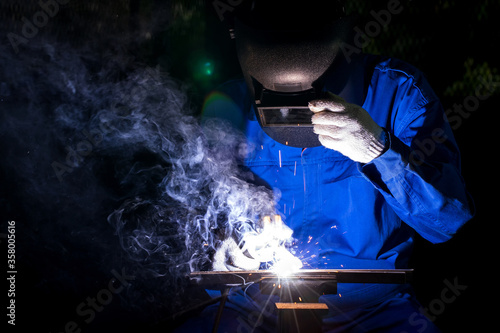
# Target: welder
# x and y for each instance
(359, 149)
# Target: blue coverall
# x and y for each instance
(350, 215)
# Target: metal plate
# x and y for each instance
(232, 278)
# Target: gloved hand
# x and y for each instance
(347, 128)
(229, 257)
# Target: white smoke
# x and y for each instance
(115, 155)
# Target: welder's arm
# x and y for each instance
(418, 171)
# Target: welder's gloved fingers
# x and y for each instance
(229, 257)
(347, 128)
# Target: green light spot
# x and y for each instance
(208, 68)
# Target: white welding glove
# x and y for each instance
(347, 128)
(229, 257)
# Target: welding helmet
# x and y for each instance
(285, 50)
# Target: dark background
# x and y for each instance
(454, 43)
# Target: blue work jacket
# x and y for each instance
(350, 215)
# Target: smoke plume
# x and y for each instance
(106, 167)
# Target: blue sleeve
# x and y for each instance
(419, 175)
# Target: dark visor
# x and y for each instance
(285, 116)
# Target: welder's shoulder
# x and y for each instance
(404, 76)
(396, 68)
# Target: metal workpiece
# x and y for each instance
(235, 278)
(299, 309)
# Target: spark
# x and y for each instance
(304, 180)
